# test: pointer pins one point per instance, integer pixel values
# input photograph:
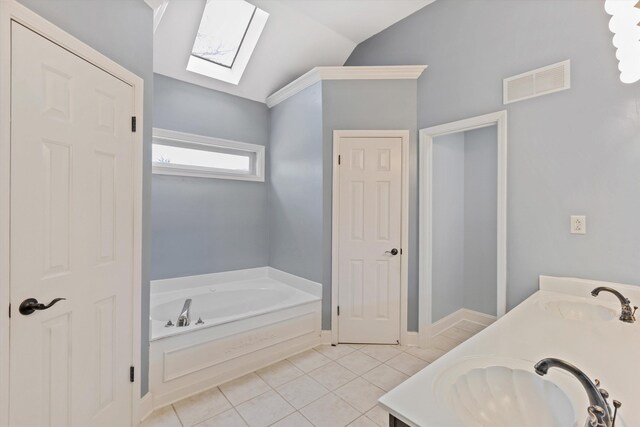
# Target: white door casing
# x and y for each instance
(72, 236)
(499, 119)
(369, 227)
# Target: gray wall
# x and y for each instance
(465, 177)
(295, 185)
(123, 31)
(480, 219)
(448, 273)
(572, 152)
(201, 225)
(301, 171)
(370, 104)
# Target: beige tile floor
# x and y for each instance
(326, 386)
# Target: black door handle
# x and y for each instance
(393, 251)
(30, 305)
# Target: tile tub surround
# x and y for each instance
(528, 334)
(313, 388)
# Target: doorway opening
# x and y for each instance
(462, 223)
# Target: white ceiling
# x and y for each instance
(299, 35)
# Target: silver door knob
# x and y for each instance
(393, 251)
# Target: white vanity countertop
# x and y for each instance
(607, 349)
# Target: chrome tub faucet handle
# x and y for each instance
(185, 315)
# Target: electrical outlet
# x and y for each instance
(578, 224)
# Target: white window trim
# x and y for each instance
(166, 136)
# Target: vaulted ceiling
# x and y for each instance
(299, 35)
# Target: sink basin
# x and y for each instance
(498, 396)
(575, 310)
(494, 391)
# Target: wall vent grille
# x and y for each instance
(545, 80)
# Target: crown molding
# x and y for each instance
(389, 72)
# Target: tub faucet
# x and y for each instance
(627, 315)
(185, 315)
(599, 410)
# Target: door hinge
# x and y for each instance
(339, 158)
(132, 374)
(133, 123)
(9, 311)
(338, 310)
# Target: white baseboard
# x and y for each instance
(478, 317)
(412, 339)
(325, 337)
(145, 407)
(458, 316)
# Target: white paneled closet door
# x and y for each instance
(71, 237)
(370, 235)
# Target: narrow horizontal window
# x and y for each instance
(177, 153)
(167, 154)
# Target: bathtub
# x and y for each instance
(249, 319)
(216, 304)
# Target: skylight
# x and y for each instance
(228, 34)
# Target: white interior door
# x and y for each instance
(370, 228)
(71, 237)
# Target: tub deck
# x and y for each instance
(253, 318)
(221, 303)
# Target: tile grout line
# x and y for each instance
(177, 415)
(232, 406)
(400, 351)
(358, 376)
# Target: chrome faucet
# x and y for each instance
(599, 410)
(627, 314)
(185, 315)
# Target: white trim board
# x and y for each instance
(208, 279)
(412, 339)
(11, 10)
(425, 322)
(146, 406)
(463, 314)
(174, 138)
(335, 236)
(391, 72)
(325, 337)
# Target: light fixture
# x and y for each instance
(625, 25)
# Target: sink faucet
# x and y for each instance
(185, 315)
(599, 409)
(627, 314)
